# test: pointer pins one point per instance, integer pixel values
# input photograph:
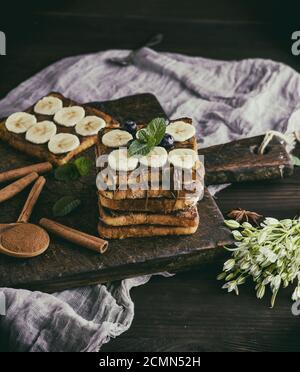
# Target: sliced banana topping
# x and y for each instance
(62, 143)
(90, 126)
(181, 131)
(48, 106)
(116, 138)
(156, 158)
(20, 122)
(183, 158)
(69, 116)
(41, 132)
(120, 161)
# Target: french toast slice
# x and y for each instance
(41, 151)
(196, 190)
(185, 218)
(160, 205)
(142, 231)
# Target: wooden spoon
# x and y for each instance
(23, 239)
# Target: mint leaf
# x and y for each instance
(157, 129)
(83, 165)
(139, 148)
(66, 172)
(148, 137)
(72, 171)
(296, 161)
(65, 205)
(143, 135)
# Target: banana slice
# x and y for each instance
(119, 161)
(183, 158)
(69, 116)
(20, 122)
(90, 126)
(41, 132)
(48, 106)
(181, 131)
(63, 142)
(156, 158)
(116, 138)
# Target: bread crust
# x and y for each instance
(142, 231)
(153, 205)
(186, 218)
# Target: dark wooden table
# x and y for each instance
(188, 312)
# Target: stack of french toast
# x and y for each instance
(149, 191)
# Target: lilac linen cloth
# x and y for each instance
(227, 101)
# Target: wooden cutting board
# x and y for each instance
(66, 266)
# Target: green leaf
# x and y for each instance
(157, 129)
(83, 165)
(65, 205)
(66, 172)
(296, 161)
(143, 135)
(148, 137)
(139, 148)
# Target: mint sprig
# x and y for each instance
(83, 165)
(73, 170)
(148, 137)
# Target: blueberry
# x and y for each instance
(130, 126)
(168, 141)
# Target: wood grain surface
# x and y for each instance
(239, 161)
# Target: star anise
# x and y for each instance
(241, 215)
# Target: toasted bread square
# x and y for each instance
(19, 142)
(142, 231)
(152, 205)
(185, 218)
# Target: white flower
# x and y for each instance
(228, 265)
(261, 291)
(247, 225)
(245, 265)
(237, 235)
(271, 221)
(232, 224)
(262, 236)
(296, 294)
(275, 283)
(270, 255)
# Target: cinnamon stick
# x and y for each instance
(14, 174)
(75, 236)
(32, 199)
(13, 189)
